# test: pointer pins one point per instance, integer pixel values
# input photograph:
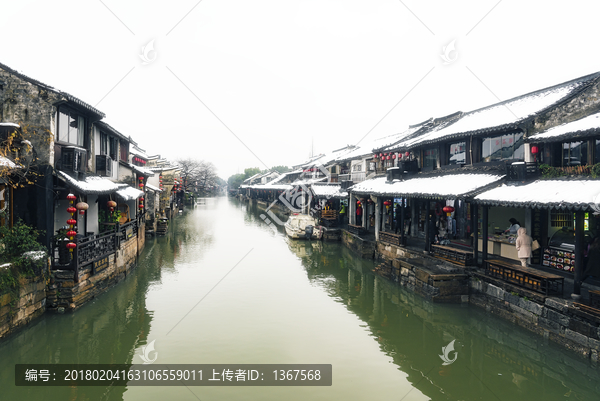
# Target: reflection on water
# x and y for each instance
(223, 287)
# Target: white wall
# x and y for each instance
(92, 214)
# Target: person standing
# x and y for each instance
(398, 218)
(593, 261)
(342, 214)
(359, 214)
(514, 226)
(523, 245)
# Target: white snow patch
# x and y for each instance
(447, 185)
(547, 192)
(587, 123)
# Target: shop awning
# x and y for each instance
(92, 185)
(450, 186)
(549, 194)
(130, 193)
(328, 191)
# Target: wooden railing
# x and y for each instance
(91, 248)
(95, 247)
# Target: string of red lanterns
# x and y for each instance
(71, 222)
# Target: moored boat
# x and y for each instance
(301, 226)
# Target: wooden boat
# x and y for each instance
(301, 226)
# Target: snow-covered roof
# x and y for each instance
(5, 162)
(501, 116)
(138, 152)
(153, 188)
(129, 193)
(92, 185)
(141, 170)
(251, 178)
(328, 191)
(558, 194)
(282, 176)
(267, 187)
(586, 126)
(12, 125)
(449, 186)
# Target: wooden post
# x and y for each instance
(402, 200)
(352, 210)
(475, 233)
(484, 232)
(579, 216)
(377, 219)
(427, 219)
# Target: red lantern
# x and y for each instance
(407, 154)
(394, 156)
(71, 233)
(535, 150)
(82, 212)
(382, 158)
(141, 185)
(387, 203)
(141, 199)
(141, 206)
(448, 210)
(111, 204)
(375, 156)
(71, 197)
(71, 209)
(71, 222)
(387, 157)
(381, 154)
(71, 246)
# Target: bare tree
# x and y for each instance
(197, 175)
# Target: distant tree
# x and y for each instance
(197, 175)
(249, 172)
(281, 169)
(235, 181)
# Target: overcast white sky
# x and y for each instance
(252, 83)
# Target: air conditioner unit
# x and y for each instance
(73, 159)
(103, 165)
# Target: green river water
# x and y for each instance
(225, 288)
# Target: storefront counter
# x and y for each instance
(503, 246)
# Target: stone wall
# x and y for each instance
(31, 106)
(67, 294)
(585, 103)
(422, 274)
(29, 303)
(552, 318)
(359, 246)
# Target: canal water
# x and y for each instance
(225, 288)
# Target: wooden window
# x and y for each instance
(71, 126)
(103, 143)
